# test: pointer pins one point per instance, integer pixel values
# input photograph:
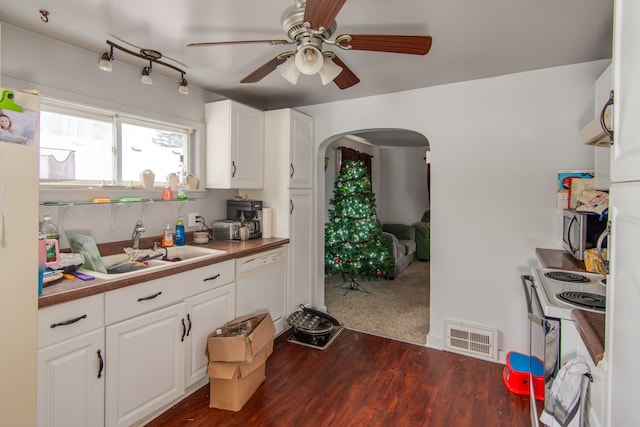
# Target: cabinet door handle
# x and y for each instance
(68, 322)
(292, 170)
(184, 330)
(149, 297)
(233, 174)
(606, 130)
(188, 320)
(211, 278)
(100, 364)
(290, 207)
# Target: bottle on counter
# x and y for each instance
(50, 232)
(167, 193)
(167, 237)
(179, 233)
(182, 180)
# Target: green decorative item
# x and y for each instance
(354, 246)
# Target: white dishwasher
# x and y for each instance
(261, 282)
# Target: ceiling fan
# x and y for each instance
(309, 24)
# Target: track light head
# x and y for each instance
(183, 86)
(146, 75)
(105, 61)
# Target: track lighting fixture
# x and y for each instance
(153, 56)
(183, 87)
(146, 75)
(105, 61)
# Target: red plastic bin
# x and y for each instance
(516, 374)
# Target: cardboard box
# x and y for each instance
(241, 348)
(231, 384)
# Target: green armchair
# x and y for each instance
(423, 237)
(401, 242)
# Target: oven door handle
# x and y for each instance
(527, 283)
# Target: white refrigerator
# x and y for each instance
(19, 195)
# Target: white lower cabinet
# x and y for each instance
(205, 312)
(70, 389)
(116, 358)
(71, 382)
(145, 364)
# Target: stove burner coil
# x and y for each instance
(566, 276)
(583, 299)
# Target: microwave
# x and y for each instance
(581, 230)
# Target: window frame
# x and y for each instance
(117, 119)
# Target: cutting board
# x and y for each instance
(86, 245)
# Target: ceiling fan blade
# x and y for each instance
(262, 71)
(346, 78)
(322, 13)
(413, 45)
(271, 42)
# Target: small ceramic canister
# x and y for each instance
(147, 178)
(192, 182)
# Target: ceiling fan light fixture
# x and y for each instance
(309, 59)
(183, 87)
(329, 71)
(289, 70)
(145, 78)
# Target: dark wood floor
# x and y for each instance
(365, 380)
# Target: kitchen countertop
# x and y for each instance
(590, 325)
(559, 259)
(72, 289)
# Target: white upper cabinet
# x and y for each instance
(626, 85)
(290, 134)
(235, 145)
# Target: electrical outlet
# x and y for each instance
(191, 219)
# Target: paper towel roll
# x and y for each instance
(267, 214)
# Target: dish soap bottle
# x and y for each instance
(167, 237)
(179, 233)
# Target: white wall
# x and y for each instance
(403, 195)
(63, 72)
(496, 146)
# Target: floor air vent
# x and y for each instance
(469, 339)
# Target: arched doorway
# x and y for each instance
(400, 182)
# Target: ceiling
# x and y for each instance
(471, 39)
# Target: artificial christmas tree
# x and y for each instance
(354, 245)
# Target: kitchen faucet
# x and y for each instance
(135, 236)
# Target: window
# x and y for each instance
(81, 146)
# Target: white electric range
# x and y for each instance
(561, 291)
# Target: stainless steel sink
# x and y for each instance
(189, 252)
(175, 254)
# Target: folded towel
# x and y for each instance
(564, 406)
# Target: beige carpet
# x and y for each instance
(393, 308)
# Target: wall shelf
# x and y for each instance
(111, 202)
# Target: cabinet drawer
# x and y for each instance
(134, 300)
(63, 321)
